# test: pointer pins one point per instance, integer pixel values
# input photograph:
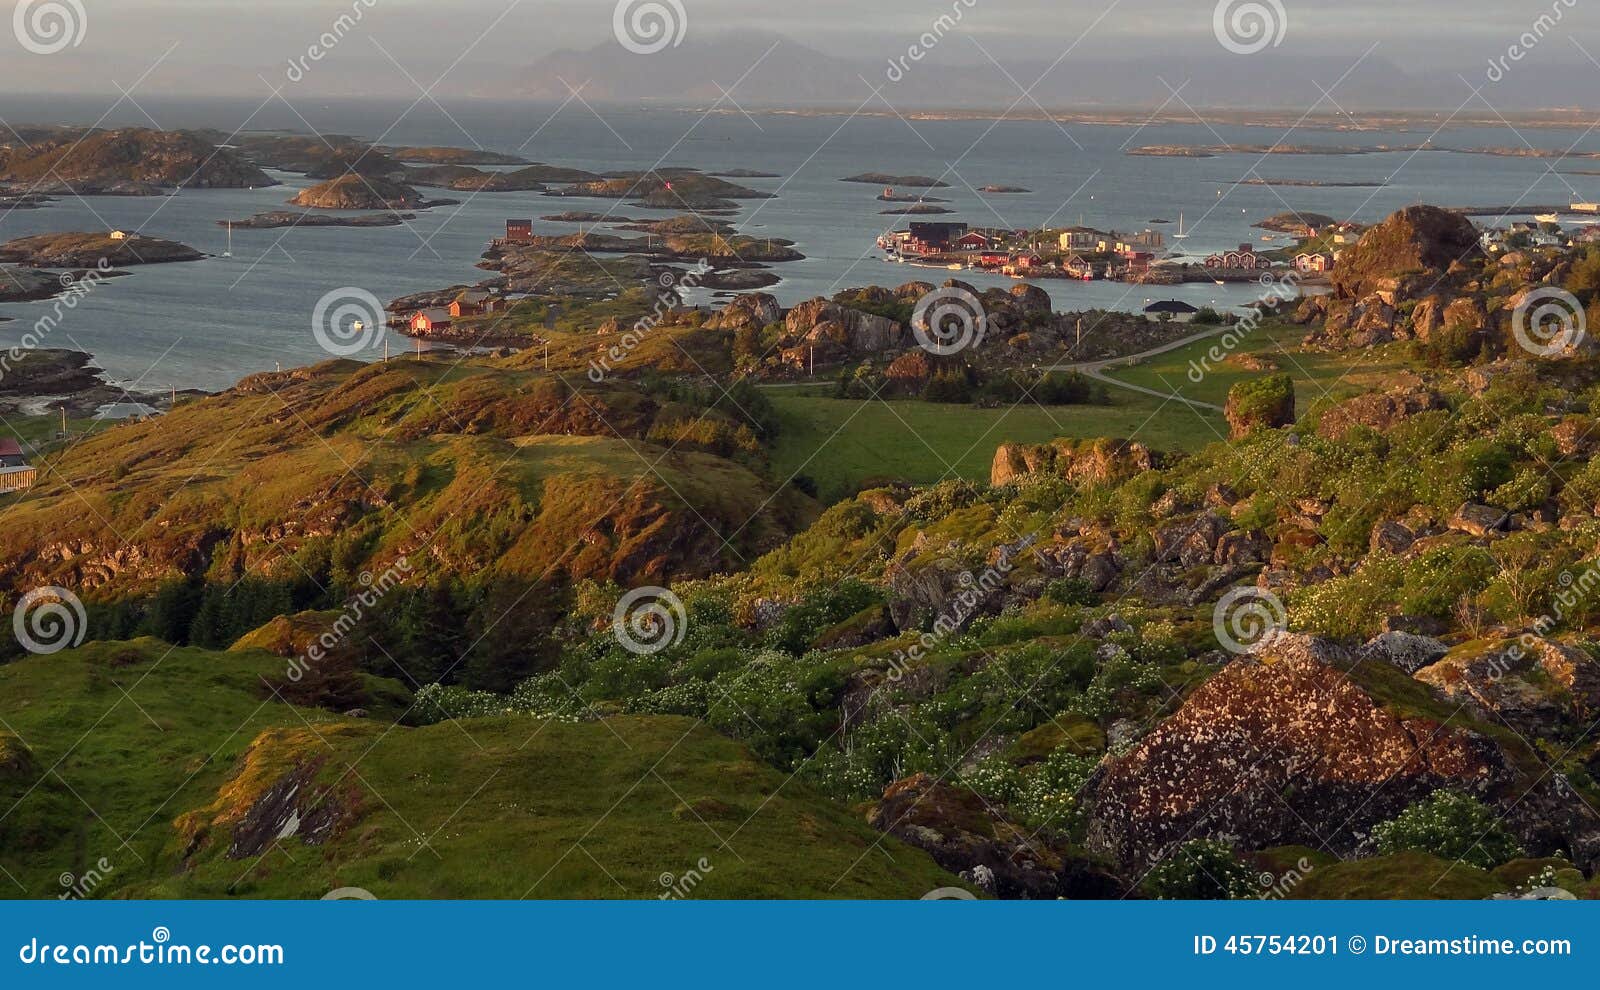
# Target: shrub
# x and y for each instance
(1451, 826)
(1070, 591)
(1202, 870)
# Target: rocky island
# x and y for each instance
(94, 250)
(130, 161)
(359, 192)
(291, 218)
(885, 179)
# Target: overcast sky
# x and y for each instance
(227, 45)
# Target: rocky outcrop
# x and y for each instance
(965, 836)
(1288, 750)
(1406, 651)
(1101, 461)
(1479, 520)
(1379, 411)
(1531, 682)
(81, 250)
(862, 333)
(129, 161)
(755, 309)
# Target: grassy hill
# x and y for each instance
(170, 765)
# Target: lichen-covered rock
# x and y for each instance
(1479, 520)
(1280, 751)
(1379, 411)
(1404, 650)
(1260, 403)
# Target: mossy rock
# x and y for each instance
(1404, 876)
(1074, 733)
(1518, 872)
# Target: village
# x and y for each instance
(1086, 253)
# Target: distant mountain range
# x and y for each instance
(776, 71)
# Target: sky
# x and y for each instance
(229, 47)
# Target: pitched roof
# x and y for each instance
(435, 315)
(1170, 306)
(9, 447)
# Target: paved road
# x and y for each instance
(1097, 369)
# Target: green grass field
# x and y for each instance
(1317, 376)
(840, 442)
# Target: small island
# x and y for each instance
(94, 250)
(884, 179)
(358, 192)
(452, 156)
(1003, 189)
(915, 210)
(291, 218)
(744, 173)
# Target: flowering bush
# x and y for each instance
(1451, 826)
(1202, 870)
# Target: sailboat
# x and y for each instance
(229, 253)
(1180, 235)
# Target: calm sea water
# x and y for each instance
(206, 324)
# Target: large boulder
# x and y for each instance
(756, 309)
(1416, 241)
(1260, 403)
(1287, 749)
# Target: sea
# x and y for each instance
(207, 324)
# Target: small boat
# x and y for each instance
(1547, 217)
(956, 267)
(229, 253)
